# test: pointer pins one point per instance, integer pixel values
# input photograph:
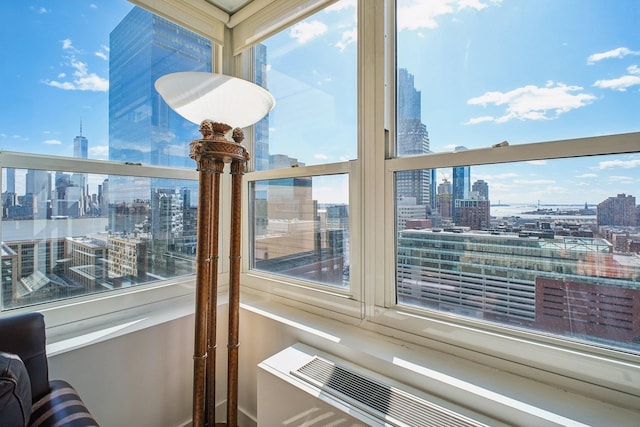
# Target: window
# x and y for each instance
(310, 69)
(65, 234)
(73, 227)
(510, 207)
(299, 192)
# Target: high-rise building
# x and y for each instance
(261, 129)
(412, 139)
(80, 146)
(11, 180)
(142, 127)
(481, 187)
(444, 199)
(461, 182)
(620, 210)
(37, 194)
(473, 213)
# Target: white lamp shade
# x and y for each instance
(198, 96)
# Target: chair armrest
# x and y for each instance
(62, 406)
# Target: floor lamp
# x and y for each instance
(216, 102)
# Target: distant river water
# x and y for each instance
(517, 210)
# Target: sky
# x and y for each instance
(55, 74)
(487, 70)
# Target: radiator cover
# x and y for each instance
(301, 386)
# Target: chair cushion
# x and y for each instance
(15, 391)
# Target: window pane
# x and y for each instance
(310, 69)
(89, 93)
(66, 234)
(478, 73)
(301, 228)
(552, 246)
(89, 88)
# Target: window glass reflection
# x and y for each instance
(301, 228)
(65, 234)
(310, 69)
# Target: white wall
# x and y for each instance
(141, 379)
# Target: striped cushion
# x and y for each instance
(61, 407)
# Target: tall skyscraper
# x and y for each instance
(37, 193)
(461, 182)
(261, 129)
(80, 146)
(11, 180)
(142, 127)
(412, 139)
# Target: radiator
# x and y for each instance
(303, 387)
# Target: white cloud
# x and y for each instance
(534, 103)
(619, 164)
(621, 179)
(622, 83)
(481, 119)
(537, 162)
(53, 142)
(100, 152)
(320, 156)
(534, 182)
(620, 52)
(67, 44)
(307, 31)
(82, 80)
(40, 10)
(420, 14)
(348, 37)
(587, 175)
(103, 52)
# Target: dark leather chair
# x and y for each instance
(52, 402)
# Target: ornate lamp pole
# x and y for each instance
(196, 96)
(211, 153)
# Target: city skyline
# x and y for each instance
(474, 94)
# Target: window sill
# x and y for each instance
(78, 323)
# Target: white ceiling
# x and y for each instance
(229, 6)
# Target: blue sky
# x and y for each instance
(55, 74)
(488, 71)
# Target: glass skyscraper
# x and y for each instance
(142, 127)
(80, 146)
(412, 139)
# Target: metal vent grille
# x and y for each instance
(392, 405)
